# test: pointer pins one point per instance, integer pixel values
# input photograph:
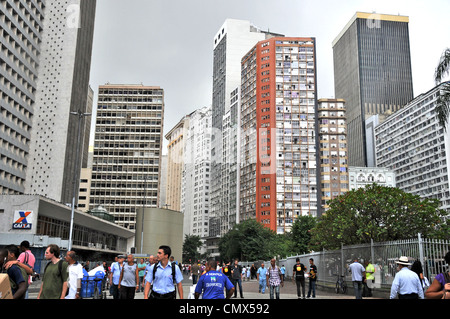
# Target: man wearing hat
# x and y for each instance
(406, 283)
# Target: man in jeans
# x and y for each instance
(358, 276)
(274, 278)
(236, 277)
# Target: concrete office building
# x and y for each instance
(21, 28)
(175, 160)
(127, 150)
(232, 41)
(278, 142)
(372, 73)
(195, 190)
(62, 87)
(333, 149)
(412, 143)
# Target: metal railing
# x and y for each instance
(383, 255)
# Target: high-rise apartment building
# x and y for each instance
(372, 73)
(333, 149)
(279, 133)
(54, 162)
(195, 196)
(412, 143)
(21, 28)
(127, 150)
(233, 40)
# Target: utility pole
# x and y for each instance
(76, 174)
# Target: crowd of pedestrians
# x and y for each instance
(160, 277)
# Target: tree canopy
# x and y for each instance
(379, 213)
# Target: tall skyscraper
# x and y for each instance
(195, 190)
(372, 73)
(127, 150)
(279, 133)
(22, 25)
(233, 40)
(62, 87)
(333, 149)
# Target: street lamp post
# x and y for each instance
(81, 116)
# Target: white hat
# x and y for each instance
(403, 261)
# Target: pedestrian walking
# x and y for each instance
(163, 278)
(358, 277)
(226, 270)
(253, 271)
(54, 281)
(440, 287)
(312, 275)
(283, 271)
(212, 284)
(236, 277)
(75, 276)
(261, 276)
(406, 284)
(114, 276)
(274, 279)
(195, 272)
(17, 275)
(370, 279)
(26, 257)
(248, 273)
(298, 274)
(129, 279)
(418, 269)
(141, 269)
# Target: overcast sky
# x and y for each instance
(169, 43)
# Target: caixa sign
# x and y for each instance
(21, 219)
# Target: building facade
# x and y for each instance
(21, 28)
(278, 140)
(54, 162)
(232, 41)
(360, 177)
(372, 73)
(195, 190)
(175, 160)
(127, 150)
(333, 149)
(412, 143)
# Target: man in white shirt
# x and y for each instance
(358, 276)
(75, 276)
(406, 283)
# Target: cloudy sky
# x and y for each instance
(169, 43)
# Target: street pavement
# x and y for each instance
(250, 291)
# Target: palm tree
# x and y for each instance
(443, 102)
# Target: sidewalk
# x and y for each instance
(249, 288)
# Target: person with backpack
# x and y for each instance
(56, 275)
(163, 278)
(17, 275)
(274, 279)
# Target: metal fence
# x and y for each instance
(383, 256)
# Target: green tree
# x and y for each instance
(300, 235)
(248, 240)
(379, 213)
(191, 246)
(443, 101)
